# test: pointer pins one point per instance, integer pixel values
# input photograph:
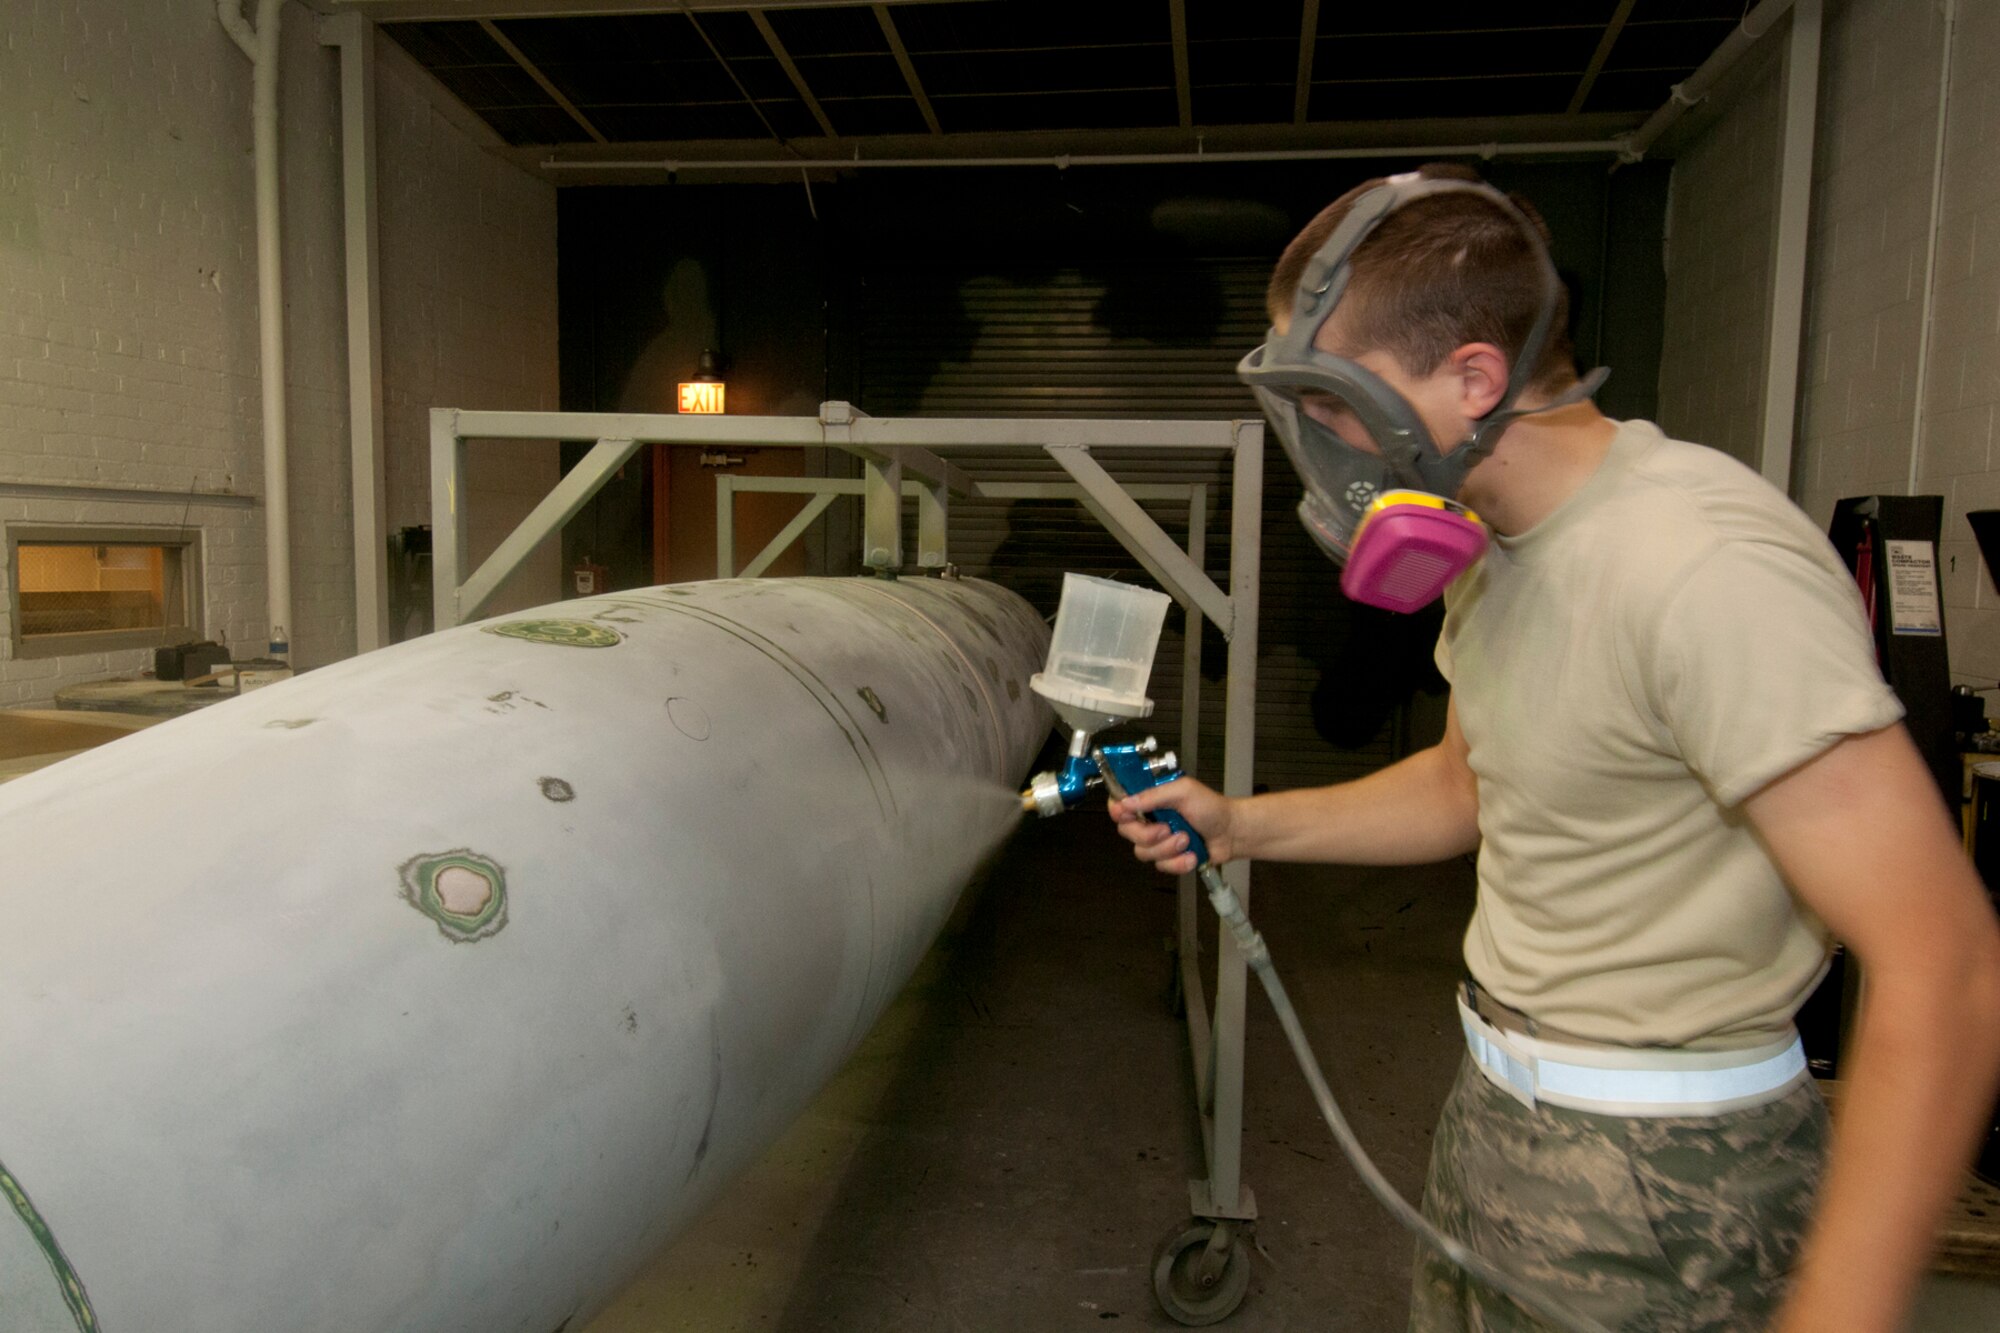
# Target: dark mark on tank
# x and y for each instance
(1014, 691)
(690, 719)
(506, 700)
(289, 723)
(631, 1019)
(822, 694)
(992, 669)
(557, 790)
(874, 702)
(714, 1096)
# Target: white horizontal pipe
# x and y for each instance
(1691, 90)
(1608, 147)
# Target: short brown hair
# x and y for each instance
(1441, 271)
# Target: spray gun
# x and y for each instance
(1100, 657)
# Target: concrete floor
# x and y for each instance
(1016, 1134)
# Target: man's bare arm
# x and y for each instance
(1862, 838)
(1422, 809)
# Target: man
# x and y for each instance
(1670, 744)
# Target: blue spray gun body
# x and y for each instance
(1123, 770)
(1129, 769)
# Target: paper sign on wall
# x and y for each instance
(1913, 589)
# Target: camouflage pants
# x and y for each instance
(1660, 1225)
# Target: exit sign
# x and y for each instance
(702, 397)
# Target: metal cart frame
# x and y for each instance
(906, 458)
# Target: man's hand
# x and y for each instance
(1210, 812)
(1422, 809)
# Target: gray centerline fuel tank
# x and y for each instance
(437, 989)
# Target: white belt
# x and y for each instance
(1632, 1082)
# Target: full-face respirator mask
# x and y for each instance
(1388, 515)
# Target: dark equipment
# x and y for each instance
(185, 661)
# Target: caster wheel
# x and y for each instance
(1196, 1287)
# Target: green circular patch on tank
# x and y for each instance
(464, 892)
(568, 633)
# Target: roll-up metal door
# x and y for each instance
(1144, 339)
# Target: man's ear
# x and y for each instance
(1481, 372)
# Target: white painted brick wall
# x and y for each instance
(1870, 232)
(468, 249)
(1958, 456)
(1866, 283)
(1719, 276)
(128, 330)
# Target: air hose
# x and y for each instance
(1258, 955)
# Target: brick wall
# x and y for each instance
(1862, 412)
(1957, 457)
(1724, 204)
(468, 313)
(1876, 139)
(128, 304)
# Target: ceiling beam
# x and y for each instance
(909, 70)
(1599, 56)
(1308, 47)
(403, 11)
(501, 40)
(1183, 86)
(687, 11)
(791, 69)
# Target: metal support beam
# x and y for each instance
(1308, 47)
(985, 490)
(902, 55)
(909, 69)
(558, 507)
(882, 514)
(921, 463)
(788, 534)
(1600, 55)
(933, 512)
(1788, 267)
(1138, 533)
(1183, 85)
(1187, 897)
(355, 36)
(447, 514)
(791, 69)
(501, 40)
(725, 525)
(651, 427)
(403, 11)
(1226, 1195)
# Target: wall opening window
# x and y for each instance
(80, 590)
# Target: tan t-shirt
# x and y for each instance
(1669, 641)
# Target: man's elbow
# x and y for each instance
(1965, 995)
